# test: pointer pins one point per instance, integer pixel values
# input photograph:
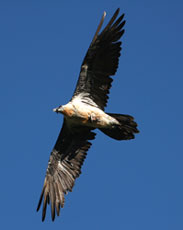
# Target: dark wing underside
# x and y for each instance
(100, 62)
(64, 166)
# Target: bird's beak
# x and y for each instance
(55, 110)
(58, 109)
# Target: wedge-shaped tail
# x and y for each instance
(124, 131)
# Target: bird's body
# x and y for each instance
(84, 113)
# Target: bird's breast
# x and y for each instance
(76, 113)
(82, 113)
(68, 111)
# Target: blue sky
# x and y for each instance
(124, 185)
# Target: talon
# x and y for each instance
(93, 117)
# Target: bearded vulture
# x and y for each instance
(84, 113)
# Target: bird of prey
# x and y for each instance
(84, 113)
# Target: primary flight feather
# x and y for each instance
(84, 113)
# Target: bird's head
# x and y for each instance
(58, 109)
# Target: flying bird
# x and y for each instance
(84, 113)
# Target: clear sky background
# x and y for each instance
(128, 185)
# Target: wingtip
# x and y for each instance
(117, 12)
(99, 27)
(43, 217)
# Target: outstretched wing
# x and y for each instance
(100, 62)
(64, 166)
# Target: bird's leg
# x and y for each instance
(93, 117)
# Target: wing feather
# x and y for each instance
(64, 166)
(101, 62)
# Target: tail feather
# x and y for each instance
(125, 130)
